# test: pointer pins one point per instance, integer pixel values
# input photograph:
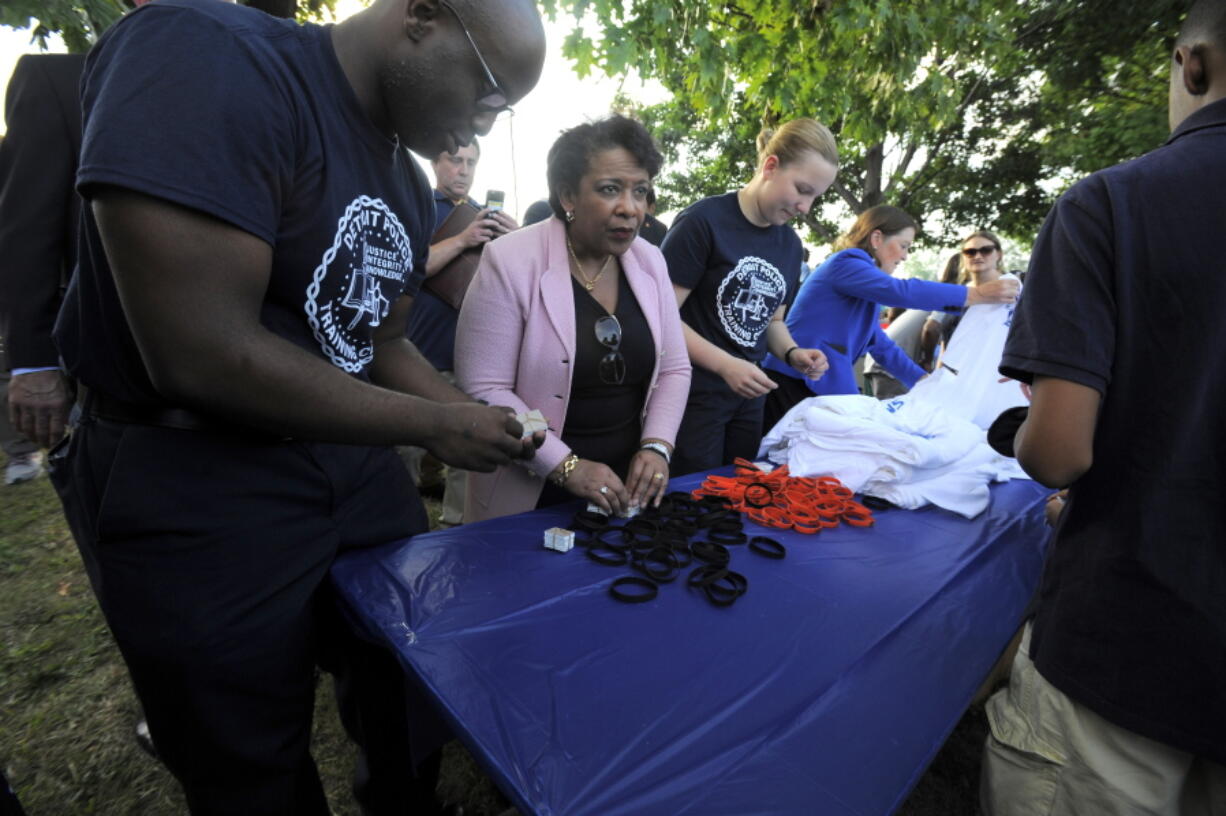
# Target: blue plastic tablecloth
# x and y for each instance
(826, 689)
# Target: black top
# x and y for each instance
(737, 273)
(1124, 296)
(604, 421)
(254, 123)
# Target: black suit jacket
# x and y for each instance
(39, 206)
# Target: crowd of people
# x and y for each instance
(252, 323)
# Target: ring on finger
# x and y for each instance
(657, 476)
(604, 489)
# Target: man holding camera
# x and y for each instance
(432, 322)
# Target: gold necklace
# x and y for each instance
(588, 283)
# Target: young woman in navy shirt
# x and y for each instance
(734, 264)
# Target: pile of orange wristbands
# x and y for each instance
(806, 504)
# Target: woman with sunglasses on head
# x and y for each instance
(735, 262)
(575, 317)
(978, 263)
(837, 308)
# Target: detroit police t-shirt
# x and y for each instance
(253, 123)
(738, 274)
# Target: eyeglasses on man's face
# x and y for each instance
(493, 98)
(985, 251)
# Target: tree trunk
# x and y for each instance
(873, 160)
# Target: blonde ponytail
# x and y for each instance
(791, 140)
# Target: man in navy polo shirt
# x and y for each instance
(1117, 699)
(432, 323)
(253, 236)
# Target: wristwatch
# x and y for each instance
(660, 448)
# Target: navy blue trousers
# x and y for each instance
(209, 553)
(718, 426)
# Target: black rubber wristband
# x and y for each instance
(877, 503)
(711, 552)
(613, 538)
(728, 538)
(660, 565)
(591, 520)
(767, 546)
(604, 554)
(721, 586)
(713, 502)
(642, 528)
(646, 589)
(711, 517)
(770, 496)
(681, 504)
(701, 576)
(678, 527)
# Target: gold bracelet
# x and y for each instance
(568, 467)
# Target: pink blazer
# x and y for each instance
(516, 339)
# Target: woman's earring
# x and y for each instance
(570, 216)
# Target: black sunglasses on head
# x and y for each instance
(613, 365)
(971, 252)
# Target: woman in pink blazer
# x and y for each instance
(576, 317)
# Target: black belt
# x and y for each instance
(96, 404)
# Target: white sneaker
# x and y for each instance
(23, 468)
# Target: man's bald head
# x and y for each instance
(1205, 23)
(511, 38)
(1198, 65)
(420, 66)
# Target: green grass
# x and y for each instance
(67, 710)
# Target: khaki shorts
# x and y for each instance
(1047, 755)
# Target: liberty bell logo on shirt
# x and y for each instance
(747, 298)
(354, 286)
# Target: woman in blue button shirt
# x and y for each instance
(837, 308)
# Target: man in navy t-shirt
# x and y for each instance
(253, 236)
(1117, 700)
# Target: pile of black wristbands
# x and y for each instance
(661, 542)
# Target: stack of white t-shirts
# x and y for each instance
(925, 447)
(908, 453)
(967, 382)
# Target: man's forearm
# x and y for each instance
(272, 384)
(398, 365)
(443, 253)
(1055, 445)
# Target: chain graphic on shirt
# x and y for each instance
(370, 254)
(747, 297)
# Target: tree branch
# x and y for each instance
(901, 170)
(943, 136)
(824, 231)
(849, 197)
